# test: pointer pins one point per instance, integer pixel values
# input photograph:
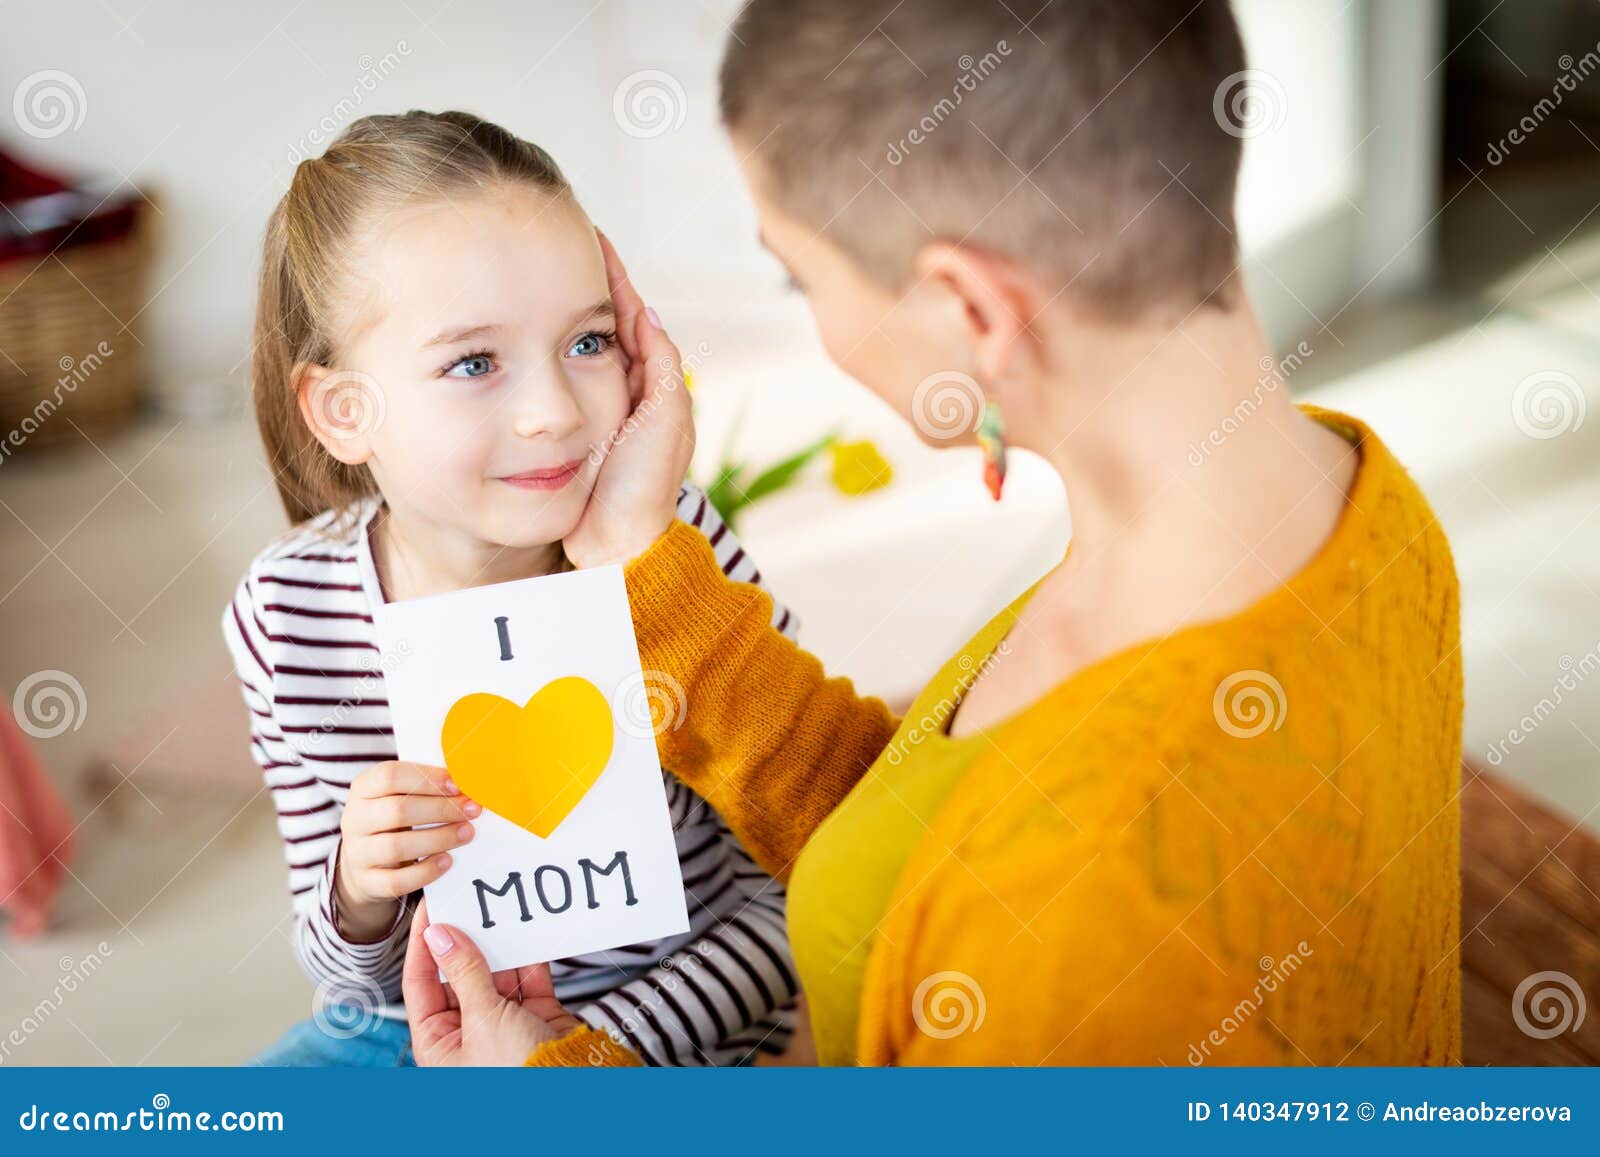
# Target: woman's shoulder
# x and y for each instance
(1349, 669)
(1387, 519)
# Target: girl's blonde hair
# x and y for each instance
(378, 164)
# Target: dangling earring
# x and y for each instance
(992, 438)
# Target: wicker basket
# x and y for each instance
(59, 317)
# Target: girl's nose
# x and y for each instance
(547, 410)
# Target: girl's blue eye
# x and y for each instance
(591, 345)
(472, 366)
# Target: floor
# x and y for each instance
(171, 895)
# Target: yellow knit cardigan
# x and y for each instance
(1238, 844)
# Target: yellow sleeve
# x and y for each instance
(585, 1048)
(750, 721)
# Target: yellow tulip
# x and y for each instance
(859, 467)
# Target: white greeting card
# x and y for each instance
(518, 688)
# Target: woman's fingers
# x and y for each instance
(533, 981)
(624, 298)
(635, 493)
(473, 1017)
(538, 994)
(653, 357)
(465, 969)
(419, 981)
(663, 389)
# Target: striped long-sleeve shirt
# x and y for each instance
(300, 632)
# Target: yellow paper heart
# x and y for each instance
(531, 764)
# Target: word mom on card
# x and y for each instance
(511, 687)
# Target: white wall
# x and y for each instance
(206, 102)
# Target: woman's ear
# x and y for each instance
(342, 408)
(998, 303)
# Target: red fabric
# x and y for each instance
(18, 181)
(36, 832)
(45, 213)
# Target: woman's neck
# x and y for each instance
(416, 556)
(1186, 463)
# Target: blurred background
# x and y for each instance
(1418, 214)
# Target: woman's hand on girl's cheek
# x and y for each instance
(475, 1017)
(635, 495)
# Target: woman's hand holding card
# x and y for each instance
(475, 1017)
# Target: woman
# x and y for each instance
(1190, 799)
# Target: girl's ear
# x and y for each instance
(342, 408)
(998, 302)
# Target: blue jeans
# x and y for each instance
(377, 1042)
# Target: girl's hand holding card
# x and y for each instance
(381, 857)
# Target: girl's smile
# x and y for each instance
(554, 478)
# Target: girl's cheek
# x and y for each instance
(442, 439)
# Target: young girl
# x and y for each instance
(437, 381)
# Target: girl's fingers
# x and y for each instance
(398, 777)
(414, 877)
(400, 849)
(396, 813)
